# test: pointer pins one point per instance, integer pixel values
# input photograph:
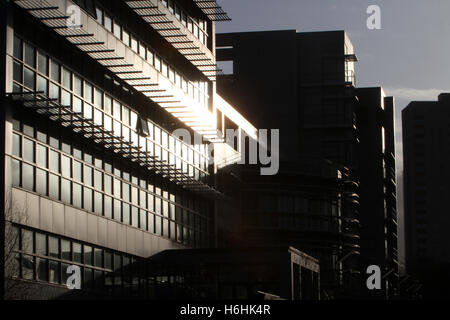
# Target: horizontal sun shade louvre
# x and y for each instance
(165, 23)
(212, 10)
(94, 40)
(64, 115)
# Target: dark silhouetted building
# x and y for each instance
(377, 178)
(426, 152)
(322, 201)
(278, 80)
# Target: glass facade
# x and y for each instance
(45, 257)
(104, 110)
(197, 90)
(60, 164)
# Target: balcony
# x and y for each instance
(101, 45)
(166, 23)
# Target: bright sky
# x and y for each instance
(409, 57)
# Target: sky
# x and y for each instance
(409, 56)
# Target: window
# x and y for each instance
(67, 79)
(28, 150)
(65, 250)
(65, 191)
(28, 177)
(76, 195)
(42, 63)
(88, 91)
(17, 48)
(54, 161)
(42, 85)
(41, 244)
(108, 23)
(29, 78)
(41, 182)
(54, 186)
(53, 247)
(126, 37)
(87, 255)
(30, 55)
(117, 30)
(66, 164)
(77, 254)
(87, 197)
(54, 75)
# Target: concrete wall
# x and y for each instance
(55, 217)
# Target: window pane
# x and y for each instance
(42, 85)
(28, 177)
(108, 260)
(126, 213)
(88, 278)
(65, 191)
(66, 164)
(108, 184)
(117, 210)
(126, 191)
(98, 203)
(28, 267)
(87, 199)
(98, 257)
(65, 250)
(41, 182)
(108, 207)
(87, 255)
(87, 113)
(98, 180)
(30, 55)
(15, 167)
(16, 145)
(54, 272)
(67, 79)
(54, 74)
(66, 98)
(88, 92)
(53, 187)
(77, 86)
(117, 30)
(41, 244)
(77, 255)
(76, 195)
(54, 91)
(42, 269)
(108, 104)
(135, 217)
(54, 161)
(77, 170)
(143, 220)
(29, 78)
(98, 98)
(53, 247)
(17, 72)
(108, 23)
(88, 175)
(18, 47)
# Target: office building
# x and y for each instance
(321, 201)
(376, 174)
(93, 173)
(277, 79)
(426, 154)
